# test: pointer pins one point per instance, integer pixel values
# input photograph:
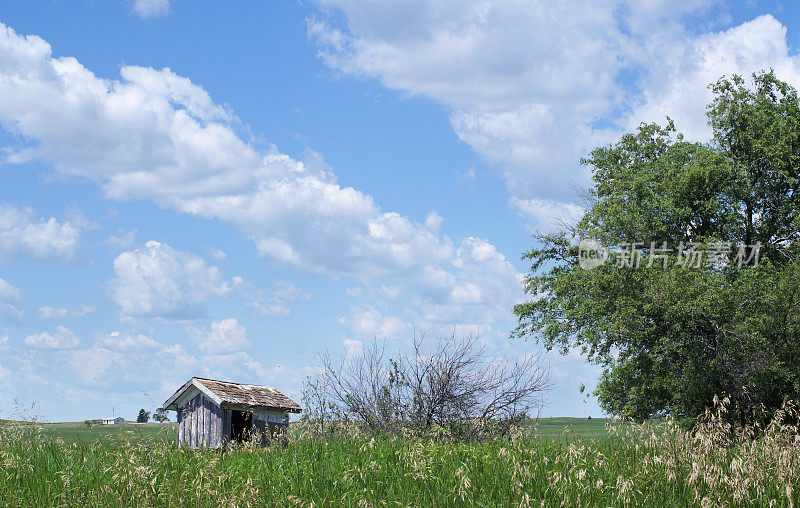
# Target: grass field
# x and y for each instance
(77, 432)
(567, 462)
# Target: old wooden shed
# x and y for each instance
(212, 413)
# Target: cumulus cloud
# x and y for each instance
(218, 254)
(116, 368)
(62, 338)
(478, 289)
(103, 366)
(532, 86)
(226, 336)
(550, 215)
(127, 341)
(23, 234)
(10, 314)
(473, 293)
(242, 366)
(150, 8)
(679, 89)
(271, 309)
(155, 135)
(365, 321)
(159, 281)
(523, 80)
(47, 312)
(8, 293)
(277, 305)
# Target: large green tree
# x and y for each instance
(671, 338)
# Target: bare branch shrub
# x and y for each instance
(366, 387)
(452, 382)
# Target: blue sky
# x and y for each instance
(194, 189)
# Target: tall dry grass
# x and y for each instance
(638, 465)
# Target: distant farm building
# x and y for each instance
(116, 420)
(213, 413)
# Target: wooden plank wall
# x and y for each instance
(181, 419)
(200, 424)
(203, 424)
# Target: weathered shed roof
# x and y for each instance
(228, 394)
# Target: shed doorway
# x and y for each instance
(241, 425)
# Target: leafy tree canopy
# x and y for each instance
(160, 415)
(143, 417)
(671, 338)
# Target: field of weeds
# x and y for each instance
(637, 465)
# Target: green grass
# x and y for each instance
(79, 432)
(567, 428)
(339, 471)
(75, 432)
(564, 460)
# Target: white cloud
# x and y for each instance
(532, 86)
(366, 322)
(549, 215)
(270, 309)
(8, 293)
(127, 341)
(218, 254)
(226, 336)
(104, 366)
(158, 281)
(155, 135)
(47, 312)
(22, 234)
(479, 289)
(679, 88)
(151, 8)
(277, 306)
(287, 292)
(62, 338)
(523, 80)
(474, 293)
(10, 313)
(123, 240)
(433, 221)
(114, 370)
(352, 347)
(244, 368)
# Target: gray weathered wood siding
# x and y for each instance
(200, 424)
(203, 424)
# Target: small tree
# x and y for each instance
(317, 406)
(160, 415)
(144, 416)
